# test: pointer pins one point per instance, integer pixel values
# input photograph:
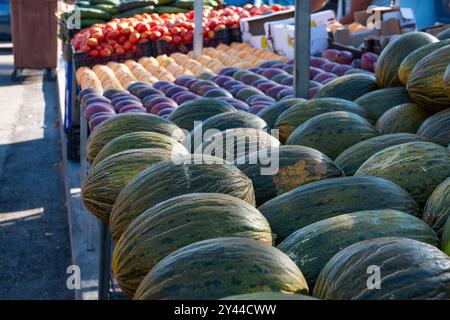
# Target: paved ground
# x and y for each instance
(34, 232)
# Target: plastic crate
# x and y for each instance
(73, 144)
(83, 59)
(235, 34)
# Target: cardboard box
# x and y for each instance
(253, 31)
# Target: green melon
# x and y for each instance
(426, 81)
(302, 112)
(379, 101)
(274, 172)
(180, 221)
(444, 35)
(127, 123)
(271, 113)
(269, 296)
(352, 158)
(187, 174)
(232, 144)
(418, 167)
(221, 267)
(140, 140)
(414, 57)
(198, 110)
(408, 270)
(349, 87)
(393, 55)
(445, 242)
(437, 127)
(246, 93)
(314, 245)
(328, 198)
(437, 208)
(332, 132)
(105, 181)
(221, 122)
(447, 81)
(405, 118)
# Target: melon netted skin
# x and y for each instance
(140, 140)
(126, 123)
(224, 267)
(437, 208)
(180, 221)
(314, 245)
(418, 167)
(107, 179)
(408, 270)
(332, 132)
(328, 198)
(279, 170)
(187, 174)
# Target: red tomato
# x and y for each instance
(105, 52)
(122, 39)
(119, 50)
(188, 37)
(92, 42)
(134, 37)
(167, 38)
(113, 34)
(176, 40)
(155, 35)
(94, 53)
(127, 31)
(141, 27)
(276, 7)
(128, 46)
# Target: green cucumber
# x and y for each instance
(133, 12)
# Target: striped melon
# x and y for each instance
(327, 198)
(418, 167)
(332, 132)
(426, 81)
(403, 118)
(271, 113)
(274, 172)
(269, 296)
(445, 242)
(437, 127)
(232, 144)
(126, 123)
(414, 57)
(180, 221)
(379, 101)
(393, 55)
(352, 158)
(437, 208)
(302, 112)
(314, 245)
(198, 110)
(221, 267)
(187, 174)
(105, 181)
(409, 270)
(140, 140)
(447, 81)
(349, 87)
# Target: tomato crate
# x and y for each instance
(235, 34)
(83, 59)
(161, 47)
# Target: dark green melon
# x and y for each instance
(418, 167)
(393, 55)
(246, 93)
(328, 198)
(437, 127)
(426, 81)
(187, 174)
(198, 110)
(349, 87)
(302, 112)
(221, 267)
(332, 132)
(437, 208)
(352, 158)
(444, 35)
(408, 270)
(221, 122)
(232, 144)
(379, 101)
(445, 241)
(274, 172)
(269, 296)
(140, 140)
(127, 123)
(105, 181)
(271, 113)
(178, 222)
(414, 57)
(314, 245)
(447, 81)
(405, 118)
